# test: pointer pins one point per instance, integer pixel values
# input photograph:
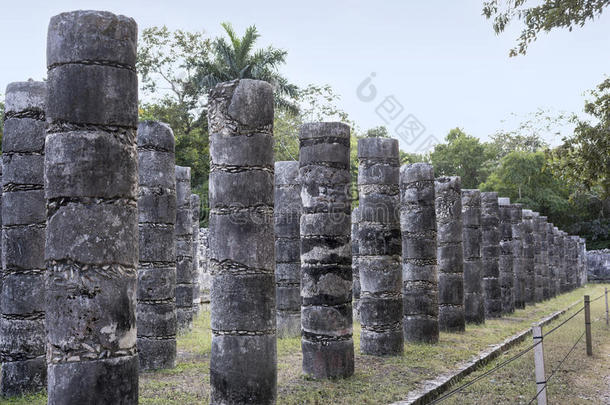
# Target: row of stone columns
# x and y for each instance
(108, 223)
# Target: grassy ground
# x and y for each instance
(384, 380)
(579, 380)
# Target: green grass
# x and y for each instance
(580, 380)
(376, 380)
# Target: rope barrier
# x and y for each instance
(556, 369)
(520, 354)
(496, 368)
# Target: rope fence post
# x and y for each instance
(539, 365)
(588, 325)
(607, 313)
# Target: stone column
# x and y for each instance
(528, 255)
(561, 259)
(243, 362)
(195, 210)
(505, 264)
(355, 263)
(538, 260)
(474, 301)
(91, 187)
(204, 270)
(184, 249)
(571, 261)
(583, 254)
(516, 219)
(287, 217)
(156, 309)
(450, 254)
(419, 266)
(326, 263)
(490, 253)
(380, 247)
(22, 312)
(544, 256)
(551, 260)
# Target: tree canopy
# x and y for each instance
(544, 16)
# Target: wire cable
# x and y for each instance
(556, 369)
(564, 322)
(496, 368)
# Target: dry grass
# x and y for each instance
(384, 380)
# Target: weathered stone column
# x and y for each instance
(22, 326)
(450, 254)
(552, 252)
(184, 249)
(243, 363)
(538, 260)
(583, 255)
(326, 261)
(474, 301)
(355, 264)
(571, 269)
(204, 271)
(156, 308)
(91, 186)
(516, 219)
(490, 253)
(287, 216)
(528, 255)
(380, 247)
(195, 210)
(505, 264)
(544, 256)
(561, 259)
(419, 266)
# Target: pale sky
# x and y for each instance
(439, 59)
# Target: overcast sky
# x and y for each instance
(437, 64)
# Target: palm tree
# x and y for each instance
(237, 60)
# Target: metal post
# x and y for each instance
(607, 313)
(539, 365)
(588, 325)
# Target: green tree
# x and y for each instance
(544, 16)
(583, 159)
(237, 59)
(463, 155)
(521, 177)
(167, 66)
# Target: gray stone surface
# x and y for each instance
(419, 265)
(538, 258)
(196, 210)
(355, 263)
(91, 183)
(379, 238)
(552, 262)
(22, 311)
(561, 259)
(528, 256)
(544, 257)
(183, 234)
(326, 262)
(205, 281)
(490, 253)
(598, 265)
(156, 308)
(287, 216)
(474, 300)
(243, 361)
(506, 261)
(516, 219)
(450, 254)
